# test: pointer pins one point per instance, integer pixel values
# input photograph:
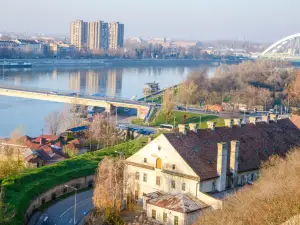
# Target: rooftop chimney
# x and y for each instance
(182, 128)
(274, 117)
(42, 141)
(228, 122)
(252, 119)
(194, 127)
(266, 119)
(222, 166)
(238, 122)
(234, 156)
(211, 125)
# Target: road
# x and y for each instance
(62, 212)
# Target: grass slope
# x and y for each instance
(272, 200)
(21, 188)
(190, 118)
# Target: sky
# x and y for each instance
(253, 20)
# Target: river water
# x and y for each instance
(119, 82)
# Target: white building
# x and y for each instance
(172, 175)
(30, 46)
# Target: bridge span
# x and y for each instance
(109, 103)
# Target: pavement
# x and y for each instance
(62, 212)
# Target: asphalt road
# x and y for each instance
(62, 212)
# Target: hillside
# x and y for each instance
(272, 200)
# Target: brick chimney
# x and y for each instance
(194, 127)
(252, 119)
(222, 166)
(182, 128)
(228, 122)
(266, 118)
(274, 117)
(211, 125)
(237, 122)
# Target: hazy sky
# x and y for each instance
(259, 20)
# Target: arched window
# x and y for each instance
(158, 163)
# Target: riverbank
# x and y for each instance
(114, 63)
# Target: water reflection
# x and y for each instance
(119, 82)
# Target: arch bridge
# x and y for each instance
(287, 48)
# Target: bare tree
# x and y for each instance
(103, 131)
(108, 192)
(188, 92)
(167, 105)
(54, 121)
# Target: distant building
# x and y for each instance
(33, 47)
(78, 34)
(116, 35)
(97, 35)
(60, 48)
(8, 44)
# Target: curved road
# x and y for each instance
(62, 212)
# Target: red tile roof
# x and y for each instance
(257, 143)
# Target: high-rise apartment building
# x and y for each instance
(97, 35)
(116, 35)
(78, 35)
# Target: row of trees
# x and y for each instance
(250, 83)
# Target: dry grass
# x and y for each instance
(272, 200)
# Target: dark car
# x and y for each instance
(181, 108)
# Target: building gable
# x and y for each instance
(160, 151)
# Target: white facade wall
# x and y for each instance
(170, 215)
(161, 148)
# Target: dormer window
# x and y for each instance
(145, 160)
(173, 167)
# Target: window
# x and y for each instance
(158, 181)
(252, 176)
(173, 167)
(137, 175)
(145, 177)
(214, 186)
(145, 160)
(153, 214)
(158, 163)
(183, 186)
(165, 217)
(173, 184)
(175, 220)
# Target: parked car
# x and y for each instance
(181, 108)
(72, 94)
(53, 93)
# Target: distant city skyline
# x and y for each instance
(261, 21)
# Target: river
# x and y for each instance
(119, 82)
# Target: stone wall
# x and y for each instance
(58, 191)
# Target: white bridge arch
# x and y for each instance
(293, 41)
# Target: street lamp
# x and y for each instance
(174, 121)
(116, 115)
(67, 186)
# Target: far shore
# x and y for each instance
(50, 62)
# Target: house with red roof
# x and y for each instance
(193, 165)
